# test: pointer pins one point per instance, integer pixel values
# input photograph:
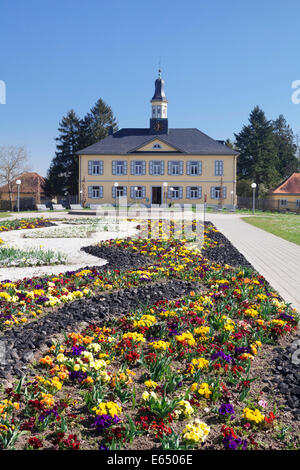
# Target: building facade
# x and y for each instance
(158, 165)
(286, 196)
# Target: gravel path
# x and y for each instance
(76, 259)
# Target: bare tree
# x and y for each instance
(13, 162)
(297, 143)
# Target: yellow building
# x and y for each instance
(286, 196)
(158, 164)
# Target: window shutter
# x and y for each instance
(90, 191)
(224, 192)
(101, 167)
(169, 193)
(212, 192)
(132, 192)
(113, 191)
(143, 192)
(180, 192)
(200, 167)
(188, 168)
(101, 191)
(125, 167)
(132, 167)
(90, 167)
(143, 167)
(169, 168)
(221, 167)
(114, 167)
(125, 190)
(162, 165)
(151, 167)
(181, 167)
(199, 192)
(188, 192)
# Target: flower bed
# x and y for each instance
(10, 256)
(21, 224)
(178, 374)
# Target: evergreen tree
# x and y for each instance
(62, 176)
(75, 135)
(286, 148)
(258, 160)
(96, 124)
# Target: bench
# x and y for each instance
(76, 207)
(42, 207)
(58, 207)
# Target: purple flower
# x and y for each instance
(226, 408)
(103, 422)
(222, 355)
(77, 375)
(233, 444)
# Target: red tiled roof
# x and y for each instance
(30, 183)
(290, 186)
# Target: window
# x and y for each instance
(175, 168)
(158, 111)
(138, 167)
(95, 167)
(298, 202)
(215, 192)
(194, 194)
(95, 192)
(153, 111)
(137, 193)
(219, 167)
(120, 168)
(120, 191)
(283, 202)
(194, 168)
(156, 146)
(157, 168)
(175, 192)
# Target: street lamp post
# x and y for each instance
(171, 193)
(135, 191)
(232, 193)
(253, 186)
(116, 185)
(18, 183)
(165, 185)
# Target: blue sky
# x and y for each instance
(219, 59)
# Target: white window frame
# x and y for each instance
(119, 191)
(175, 165)
(95, 192)
(156, 168)
(219, 167)
(194, 192)
(120, 164)
(194, 165)
(283, 202)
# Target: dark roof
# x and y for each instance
(159, 93)
(188, 141)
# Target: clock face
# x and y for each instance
(158, 125)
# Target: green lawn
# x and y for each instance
(286, 226)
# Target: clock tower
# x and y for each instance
(159, 103)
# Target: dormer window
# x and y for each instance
(156, 146)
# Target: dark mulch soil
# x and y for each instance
(22, 342)
(224, 252)
(117, 258)
(285, 375)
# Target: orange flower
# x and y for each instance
(192, 293)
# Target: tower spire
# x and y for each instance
(159, 103)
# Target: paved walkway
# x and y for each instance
(276, 259)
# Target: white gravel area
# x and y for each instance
(76, 259)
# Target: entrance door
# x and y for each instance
(156, 195)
